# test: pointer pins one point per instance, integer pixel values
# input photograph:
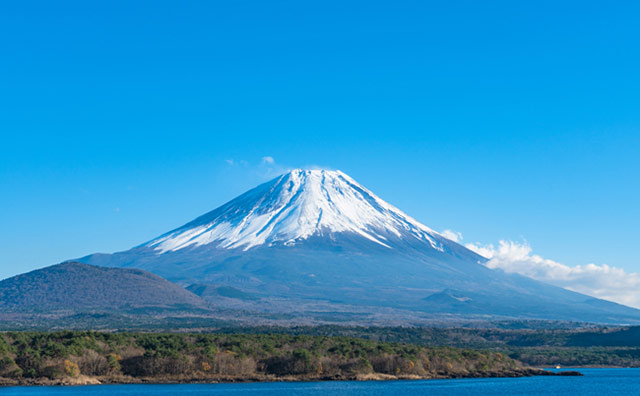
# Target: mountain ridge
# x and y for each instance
(74, 286)
(312, 242)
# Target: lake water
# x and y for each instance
(596, 382)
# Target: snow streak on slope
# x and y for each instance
(293, 207)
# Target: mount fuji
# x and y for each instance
(317, 245)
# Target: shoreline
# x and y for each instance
(83, 380)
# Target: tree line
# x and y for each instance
(113, 356)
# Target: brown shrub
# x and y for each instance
(92, 363)
(71, 369)
(227, 363)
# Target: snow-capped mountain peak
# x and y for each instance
(316, 241)
(293, 207)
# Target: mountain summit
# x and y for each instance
(294, 207)
(316, 246)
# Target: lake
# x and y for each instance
(596, 382)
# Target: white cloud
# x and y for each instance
(487, 251)
(264, 169)
(601, 281)
(452, 235)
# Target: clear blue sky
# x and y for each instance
(512, 120)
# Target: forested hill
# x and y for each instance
(76, 286)
(92, 357)
(568, 346)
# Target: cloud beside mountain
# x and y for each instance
(601, 281)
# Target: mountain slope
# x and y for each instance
(316, 242)
(294, 207)
(75, 286)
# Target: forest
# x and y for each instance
(564, 345)
(74, 357)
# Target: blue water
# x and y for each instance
(596, 382)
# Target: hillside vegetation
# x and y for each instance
(93, 357)
(594, 346)
(76, 287)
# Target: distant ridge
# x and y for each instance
(76, 286)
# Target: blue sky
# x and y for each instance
(515, 121)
